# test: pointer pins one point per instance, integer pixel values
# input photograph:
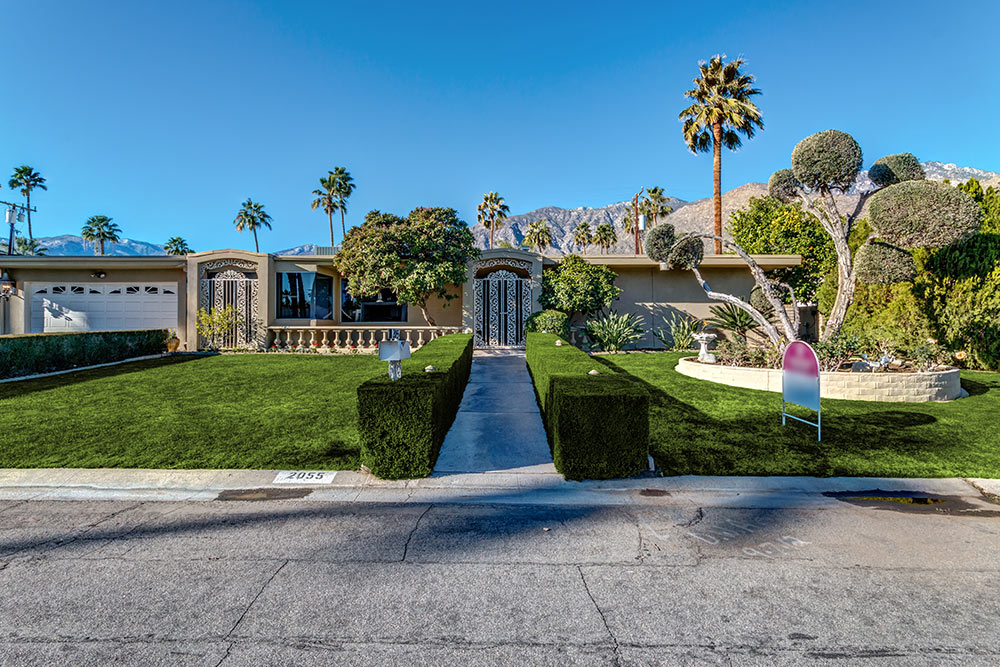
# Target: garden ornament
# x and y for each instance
(704, 339)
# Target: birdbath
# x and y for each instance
(704, 339)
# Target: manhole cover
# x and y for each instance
(263, 494)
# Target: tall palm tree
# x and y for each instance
(252, 216)
(721, 112)
(27, 179)
(175, 245)
(538, 236)
(605, 237)
(492, 212)
(326, 197)
(23, 246)
(343, 188)
(99, 229)
(582, 236)
(629, 222)
(654, 205)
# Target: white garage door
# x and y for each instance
(103, 307)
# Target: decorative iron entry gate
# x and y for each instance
(236, 289)
(502, 303)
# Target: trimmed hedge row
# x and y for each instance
(402, 423)
(598, 425)
(29, 354)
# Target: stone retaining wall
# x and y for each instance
(886, 387)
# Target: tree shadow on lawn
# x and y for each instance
(19, 388)
(858, 439)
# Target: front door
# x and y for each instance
(502, 302)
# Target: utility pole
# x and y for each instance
(635, 220)
(15, 212)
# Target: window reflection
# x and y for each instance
(383, 307)
(304, 296)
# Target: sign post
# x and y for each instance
(800, 382)
(394, 351)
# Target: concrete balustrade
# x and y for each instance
(884, 387)
(334, 339)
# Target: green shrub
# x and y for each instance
(613, 332)
(897, 168)
(783, 186)
(548, 321)
(884, 264)
(680, 331)
(577, 286)
(597, 425)
(827, 159)
(402, 423)
(660, 241)
(738, 353)
(29, 354)
(916, 214)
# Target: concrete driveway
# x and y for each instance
(854, 579)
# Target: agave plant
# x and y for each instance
(728, 317)
(613, 331)
(679, 333)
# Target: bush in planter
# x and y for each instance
(402, 423)
(597, 425)
(548, 321)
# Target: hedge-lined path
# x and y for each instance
(498, 427)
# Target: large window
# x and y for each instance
(305, 296)
(382, 307)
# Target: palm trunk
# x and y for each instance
(255, 245)
(330, 214)
(491, 234)
(102, 247)
(343, 226)
(27, 198)
(717, 182)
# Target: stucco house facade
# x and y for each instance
(303, 301)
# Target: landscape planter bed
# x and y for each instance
(887, 387)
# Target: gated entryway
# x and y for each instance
(236, 288)
(502, 302)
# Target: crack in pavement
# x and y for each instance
(614, 640)
(699, 514)
(261, 591)
(406, 547)
(989, 497)
(229, 650)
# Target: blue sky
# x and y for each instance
(167, 115)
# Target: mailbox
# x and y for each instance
(394, 351)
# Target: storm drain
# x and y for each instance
(907, 501)
(263, 494)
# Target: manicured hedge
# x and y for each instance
(598, 425)
(29, 354)
(402, 423)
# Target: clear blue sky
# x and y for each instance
(167, 115)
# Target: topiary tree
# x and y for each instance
(923, 214)
(576, 286)
(897, 168)
(884, 264)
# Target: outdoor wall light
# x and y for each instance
(98, 274)
(7, 288)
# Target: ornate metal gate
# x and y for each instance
(236, 289)
(502, 302)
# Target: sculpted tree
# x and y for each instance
(418, 257)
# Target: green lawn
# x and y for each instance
(702, 428)
(229, 411)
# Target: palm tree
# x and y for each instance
(326, 197)
(175, 245)
(27, 179)
(721, 112)
(343, 188)
(538, 236)
(99, 229)
(582, 236)
(252, 216)
(491, 212)
(23, 246)
(605, 237)
(654, 205)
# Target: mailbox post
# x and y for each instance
(394, 351)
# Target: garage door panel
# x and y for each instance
(68, 307)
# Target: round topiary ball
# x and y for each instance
(759, 301)
(830, 159)
(687, 254)
(929, 214)
(659, 241)
(548, 321)
(882, 264)
(783, 185)
(897, 168)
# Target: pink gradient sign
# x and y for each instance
(800, 381)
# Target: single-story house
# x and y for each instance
(303, 301)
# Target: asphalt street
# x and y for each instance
(855, 580)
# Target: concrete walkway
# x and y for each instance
(498, 426)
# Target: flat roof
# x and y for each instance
(93, 261)
(725, 260)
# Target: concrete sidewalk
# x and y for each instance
(512, 488)
(498, 426)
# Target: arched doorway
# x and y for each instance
(233, 283)
(502, 293)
